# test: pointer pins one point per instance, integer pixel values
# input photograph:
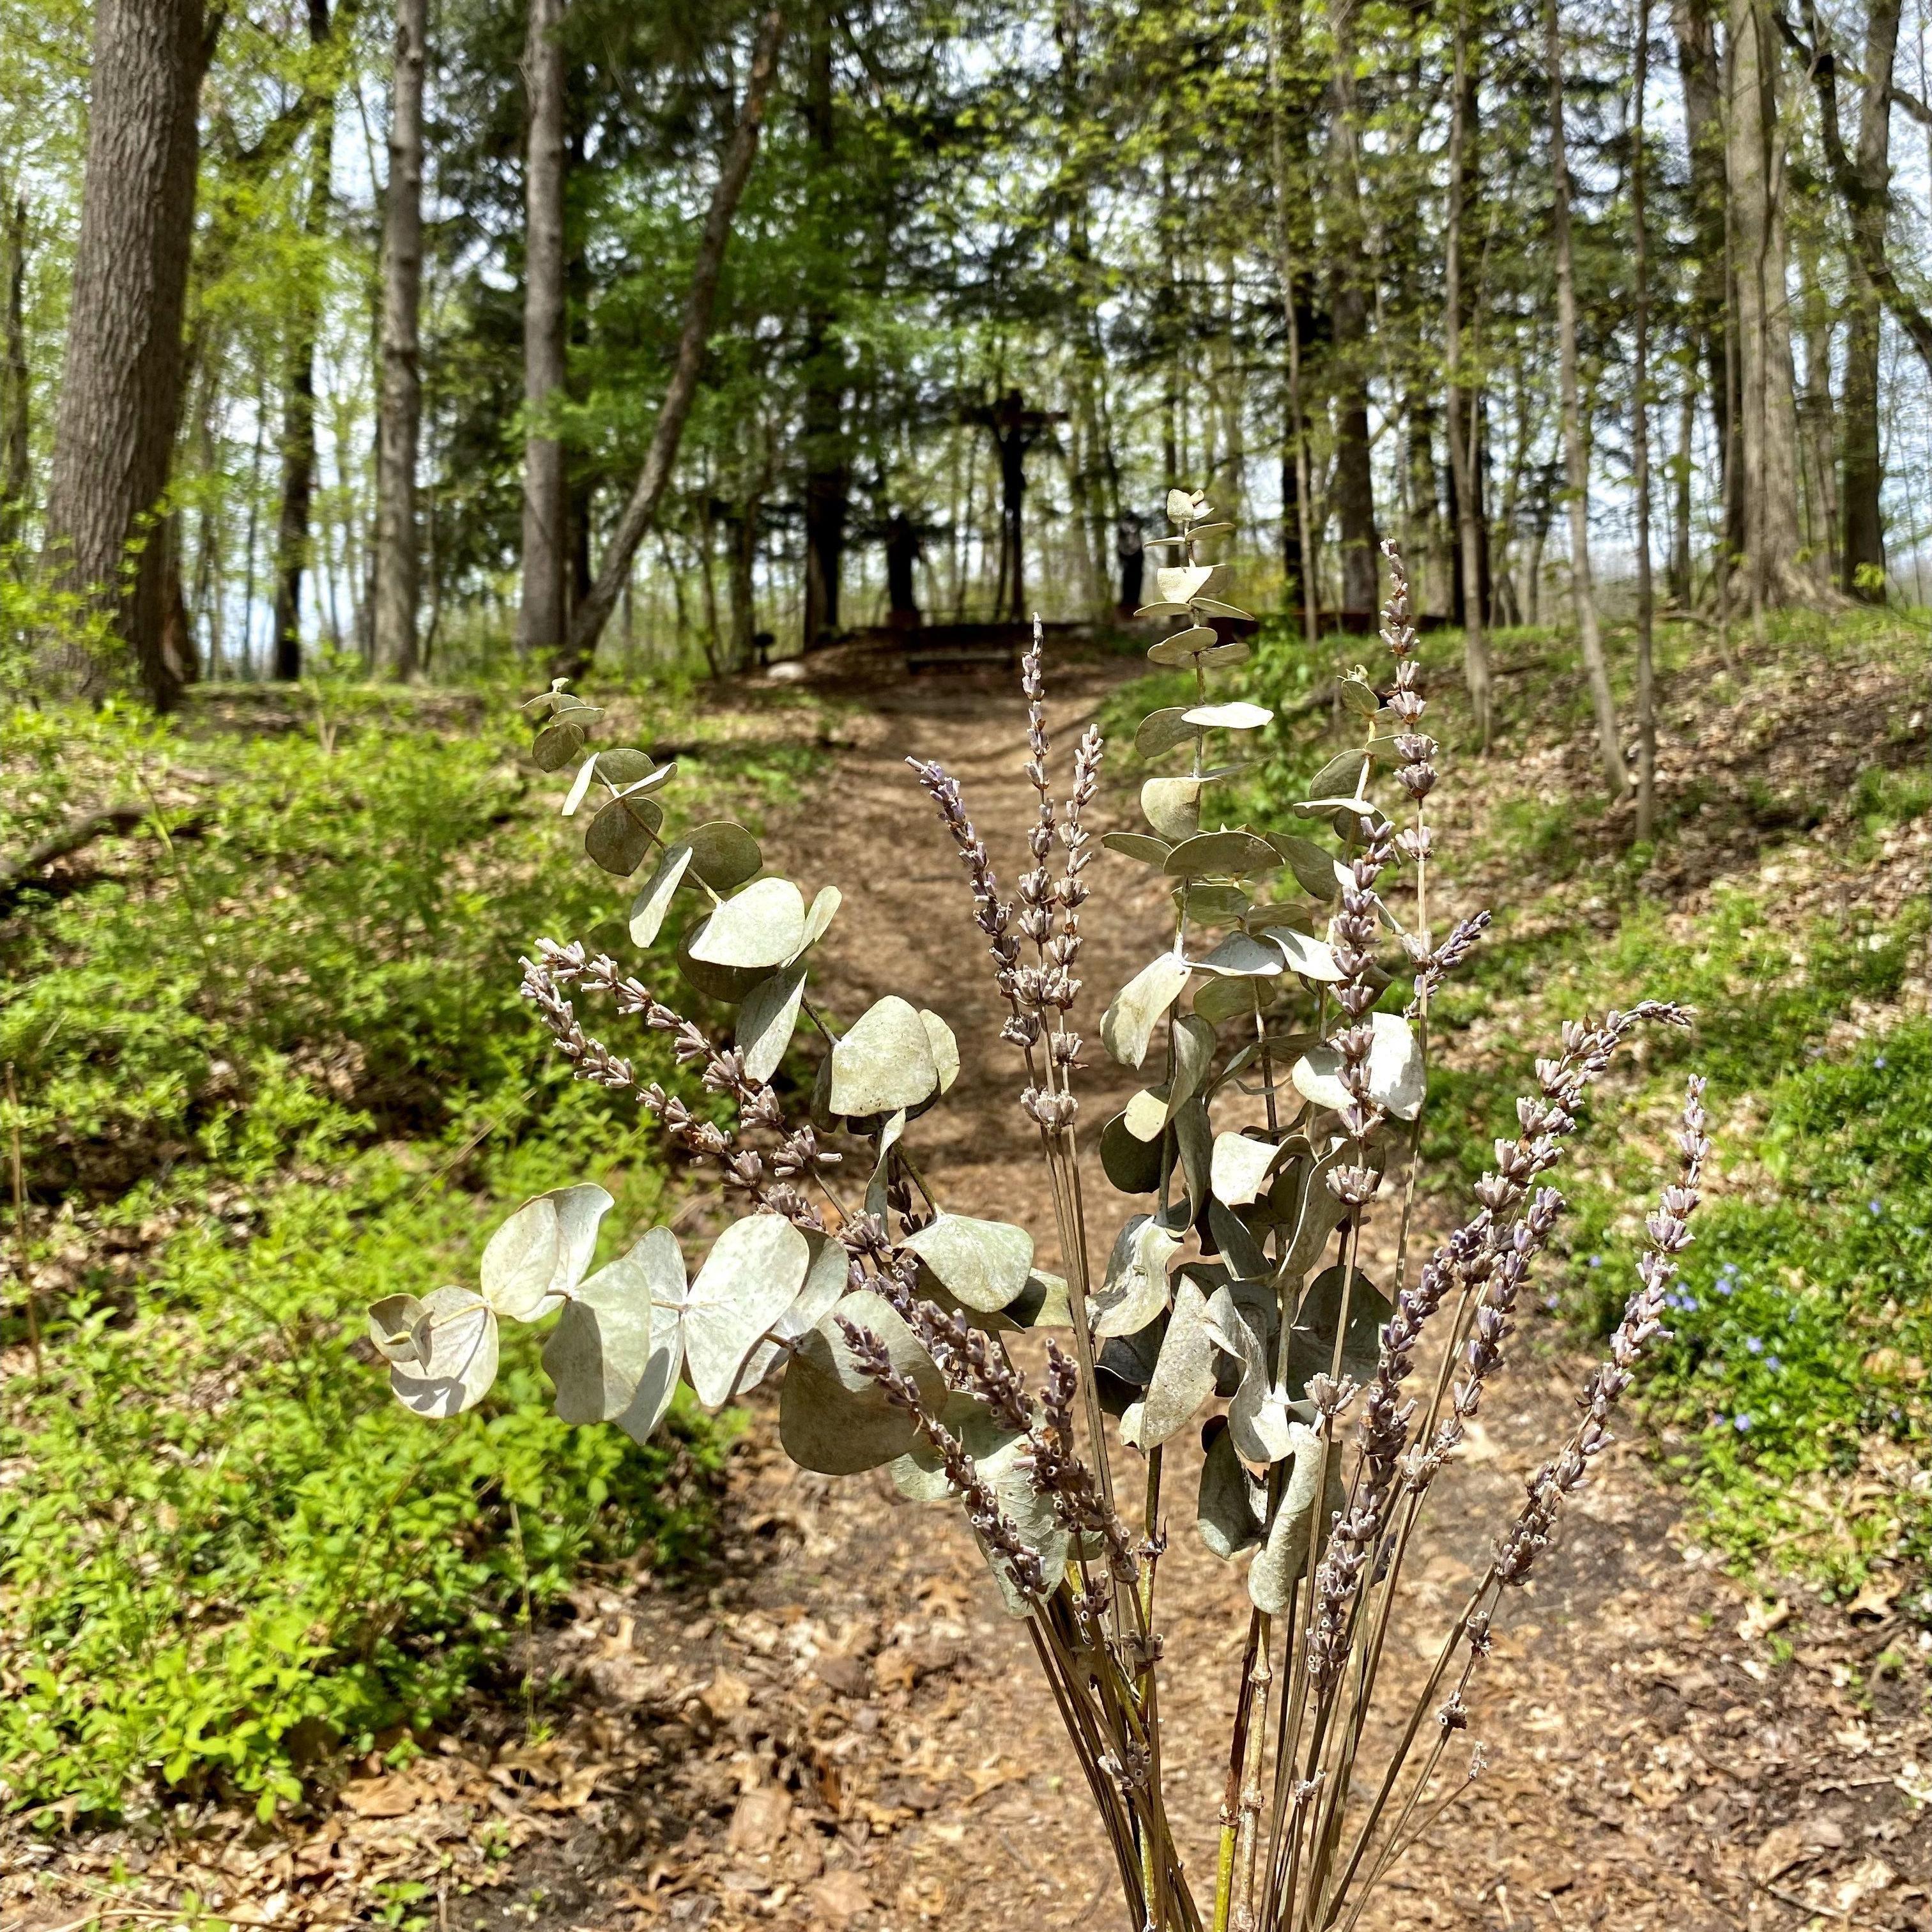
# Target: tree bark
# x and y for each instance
(1576, 451)
(16, 475)
(1460, 400)
(827, 475)
(546, 509)
(1817, 428)
(1701, 76)
(398, 565)
(1766, 379)
(1646, 681)
(1354, 487)
(298, 453)
(121, 386)
(640, 510)
(1863, 187)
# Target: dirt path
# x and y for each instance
(836, 1725)
(862, 1736)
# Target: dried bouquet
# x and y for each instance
(1283, 1110)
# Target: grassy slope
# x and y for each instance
(1784, 897)
(271, 1066)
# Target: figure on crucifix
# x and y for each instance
(1015, 429)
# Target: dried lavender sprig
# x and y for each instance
(963, 1354)
(1670, 1230)
(1073, 891)
(798, 1152)
(1059, 1474)
(981, 1505)
(992, 914)
(1434, 965)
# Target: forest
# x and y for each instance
(607, 331)
(558, 558)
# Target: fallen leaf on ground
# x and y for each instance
(838, 1896)
(381, 1797)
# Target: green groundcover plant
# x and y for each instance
(1285, 1032)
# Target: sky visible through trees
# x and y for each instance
(987, 278)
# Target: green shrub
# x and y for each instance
(224, 1550)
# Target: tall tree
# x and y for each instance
(1460, 409)
(827, 466)
(1864, 185)
(1575, 448)
(120, 397)
(1353, 486)
(298, 450)
(1646, 693)
(16, 475)
(399, 424)
(546, 504)
(640, 509)
(1767, 381)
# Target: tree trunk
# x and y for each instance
(1861, 552)
(546, 510)
(17, 476)
(1701, 75)
(640, 509)
(299, 452)
(397, 564)
(827, 476)
(1297, 534)
(1576, 451)
(120, 387)
(1680, 531)
(1767, 381)
(1460, 400)
(1353, 486)
(1816, 427)
(1646, 691)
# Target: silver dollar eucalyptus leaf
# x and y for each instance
(1340, 776)
(1271, 1576)
(457, 1342)
(1221, 854)
(885, 1063)
(1141, 845)
(1161, 731)
(1240, 1249)
(1259, 1414)
(1239, 1166)
(1131, 1163)
(1310, 957)
(649, 908)
(1178, 583)
(1311, 1210)
(1196, 1140)
(1184, 1374)
(659, 1257)
(1046, 1302)
(1183, 647)
(393, 1325)
(1128, 1024)
(620, 836)
(1395, 1073)
(728, 984)
(833, 1418)
(1232, 1504)
(766, 1020)
(945, 1047)
(1240, 957)
(1222, 999)
(1224, 657)
(984, 1264)
(1181, 506)
(755, 1268)
(1217, 904)
(723, 854)
(824, 1284)
(919, 1474)
(1359, 696)
(580, 785)
(1172, 806)
(889, 1135)
(1311, 1341)
(825, 904)
(763, 926)
(1316, 868)
(600, 1349)
(1135, 1290)
(540, 1253)
(1236, 717)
